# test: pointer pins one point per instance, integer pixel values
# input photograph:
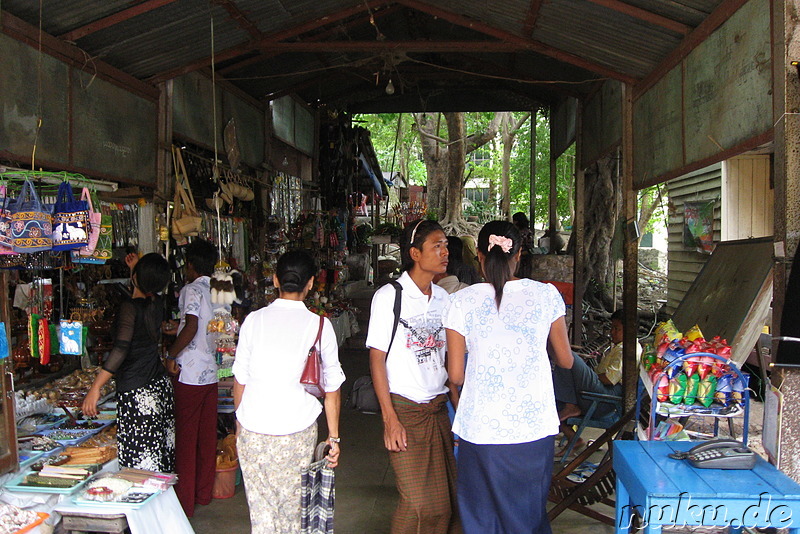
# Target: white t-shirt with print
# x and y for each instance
(415, 366)
(508, 395)
(197, 360)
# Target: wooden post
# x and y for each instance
(630, 259)
(786, 103)
(534, 116)
(578, 232)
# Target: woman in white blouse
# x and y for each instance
(276, 417)
(506, 415)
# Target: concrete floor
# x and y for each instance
(365, 488)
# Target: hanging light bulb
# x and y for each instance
(285, 161)
(390, 87)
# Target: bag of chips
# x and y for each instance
(677, 388)
(692, 382)
(693, 333)
(706, 389)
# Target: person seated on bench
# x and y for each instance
(605, 378)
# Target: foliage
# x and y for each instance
(389, 229)
(485, 166)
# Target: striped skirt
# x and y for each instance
(271, 467)
(426, 471)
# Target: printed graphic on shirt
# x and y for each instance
(425, 336)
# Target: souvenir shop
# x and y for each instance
(63, 241)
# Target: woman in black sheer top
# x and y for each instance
(145, 403)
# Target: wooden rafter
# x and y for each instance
(116, 18)
(531, 18)
(717, 17)
(378, 13)
(399, 46)
(644, 15)
(240, 18)
(251, 45)
(530, 44)
(74, 56)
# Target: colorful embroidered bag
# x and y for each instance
(31, 224)
(70, 220)
(95, 220)
(102, 251)
(6, 241)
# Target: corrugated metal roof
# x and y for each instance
(174, 37)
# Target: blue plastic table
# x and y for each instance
(663, 491)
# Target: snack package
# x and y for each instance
(649, 357)
(666, 331)
(724, 391)
(677, 388)
(692, 382)
(738, 386)
(674, 352)
(706, 389)
(690, 366)
(704, 366)
(661, 382)
(693, 333)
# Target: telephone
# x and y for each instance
(719, 454)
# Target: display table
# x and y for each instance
(162, 515)
(663, 491)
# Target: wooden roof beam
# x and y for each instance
(391, 46)
(111, 20)
(248, 46)
(240, 18)
(530, 44)
(644, 15)
(531, 18)
(723, 12)
(317, 37)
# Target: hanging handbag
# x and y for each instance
(31, 224)
(69, 338)
(186, 220)
(312, 373)
(95, 220)
(102, 252)
(317, 494)
(6, 240)
(70, 220)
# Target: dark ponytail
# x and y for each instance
(295, 268)
(497, 262)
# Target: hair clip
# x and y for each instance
(505, 243)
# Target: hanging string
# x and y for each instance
(39, 91)
(215, 170)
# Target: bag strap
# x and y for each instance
(64, 193)
(319, 332)
(85, 195)
(186, 190)
(397, 299)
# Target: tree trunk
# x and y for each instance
(436, 161)
(648, 204)
(603, 204)
(457, 155)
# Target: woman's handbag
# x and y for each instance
(102, 252)
(95, 220)
(317, 497)
(6, 240)
(70, 220)
(186, 220)
(312, 373)
(31, 224)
